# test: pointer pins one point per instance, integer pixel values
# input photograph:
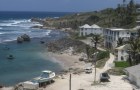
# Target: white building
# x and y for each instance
(133, 74)
(87, 29)
(122, 54)
(111, 36)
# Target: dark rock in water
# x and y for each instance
(20, 40)
(10, 57)
(1, 86)
(42, 42)
(6, 48)
(25, 37)
(37, 27)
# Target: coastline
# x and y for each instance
(65, 60)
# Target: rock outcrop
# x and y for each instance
(19, 40)
(23, 38)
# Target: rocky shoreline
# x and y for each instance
(64, 44)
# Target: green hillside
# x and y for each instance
(124, 16)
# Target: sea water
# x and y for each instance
(27, 62)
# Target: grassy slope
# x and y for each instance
(105, 18)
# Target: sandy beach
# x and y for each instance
(84, 81)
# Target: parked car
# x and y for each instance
(88, 70)
(104, 77)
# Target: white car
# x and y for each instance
(88, 69)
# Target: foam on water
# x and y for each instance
(14, 28)
(47, 33)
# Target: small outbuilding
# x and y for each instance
(122, 54)
(133, 74)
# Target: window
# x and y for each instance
(85, 33)
(122, 58)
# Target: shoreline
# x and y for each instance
(65, 60)
(80, 80)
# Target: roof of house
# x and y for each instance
(85, 26)
(136, 28)
(117, 29)
(134, 70)
(123, 47)
(95, 26)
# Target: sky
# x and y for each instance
(58, 5)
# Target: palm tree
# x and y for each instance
(87, 51)
(129, 57)
(134, 48)
(96, 38)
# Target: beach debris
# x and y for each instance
(81, 59)
(1, 86)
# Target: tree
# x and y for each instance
(134, 49)
(88, 51)
(131, 8)
(129, 57)
(138, 33)
(120, 41)
(96, 38)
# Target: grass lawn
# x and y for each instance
(122, 64)
(118, 69)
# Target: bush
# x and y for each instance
(102, 55)
(101, 63)
(116, 71)
(123, 64)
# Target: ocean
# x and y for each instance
(28, 62)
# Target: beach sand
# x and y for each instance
(85, 81)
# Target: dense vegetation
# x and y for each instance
(123, 16)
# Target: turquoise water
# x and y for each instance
(28, 62)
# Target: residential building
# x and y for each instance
(122, 54)
(133, 74)
(138, 10)
(111, 36)
(87, 30)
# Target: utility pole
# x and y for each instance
(70, 83)
(95, 59)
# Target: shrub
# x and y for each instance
(102, 55)
(123, 64)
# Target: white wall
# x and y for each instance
(134, 79)
(111, 36)
(87, 31)
(122, 53)
(138, 82)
